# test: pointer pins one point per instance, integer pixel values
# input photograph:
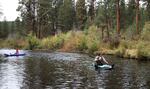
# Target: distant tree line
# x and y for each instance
(47, 17)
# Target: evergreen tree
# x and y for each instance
(44, 16)
(131, 12)
(18, 27)
(118, 16)
(91, 12)
(147, 4)
(28, 14)
(81, 13)
(122, 14)
(137, 16)
(1, 29)
(5, 28)
(66, 16)
(106, 16)
(12, 30)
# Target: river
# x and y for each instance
(58, 70)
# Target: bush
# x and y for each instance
(143, 50)
(92, 47)
(33, 42)
(124, 44)
(53, 42)
(131, 32)
(72, 41)
(114, 42)
(93, 39)
(82, 44)
(120, 51)
(145, 35)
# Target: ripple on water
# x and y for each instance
(60, 70)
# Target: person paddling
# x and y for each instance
(100, 60)
(17, 51)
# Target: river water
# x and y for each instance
(58, 70)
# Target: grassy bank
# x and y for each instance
(89, 41)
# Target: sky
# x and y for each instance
(8, 7)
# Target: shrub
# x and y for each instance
(33, 42)
(53, 42)
(120, 51)
(124, 44)
(145, 35)
(93, 39)
(143, 50)
(72, 41)
(131, 32)
(113, 43)
(92, 47)
(82, 43)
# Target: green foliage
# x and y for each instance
(123, 13)
(120, 51)
(114, 42)
(81, 13)
(33, 42)
(14, 43)
(82, 44)
(66, 15)
(91, 12)
(146, 3)
(46, 17)
(131, 32)
(131, 12)
(73, 41)
(93, 39)
(143, 50)
(4, 30)
(145, 35)
(54, 42)
(92, 47)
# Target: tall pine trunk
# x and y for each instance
(118, 18)
(137, 16)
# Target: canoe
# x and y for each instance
(9, 55)
(104, 67)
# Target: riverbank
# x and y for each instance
(89, 41)
(131, 53)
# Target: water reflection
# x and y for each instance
(10, 75)
(71, 71)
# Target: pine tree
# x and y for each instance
(18, 26)
(5, 28)
(44, 16)
(131, 12)
(66, 15)
(137, 16)
(28, 14)
(81, 13)
(147, 4)
(91, 12)
(122, 14)
(118, 17)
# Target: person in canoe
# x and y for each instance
(17, 51)
(100, 60)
